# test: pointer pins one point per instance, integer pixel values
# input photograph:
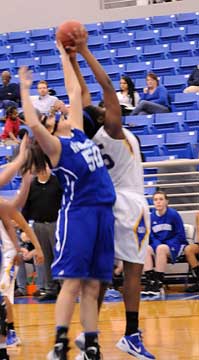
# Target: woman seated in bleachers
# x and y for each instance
(154, 99)
(166, 242)
(193, 82)
(128, 96)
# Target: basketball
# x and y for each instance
(66, 28)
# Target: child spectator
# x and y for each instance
(11, 129)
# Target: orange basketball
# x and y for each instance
(66, 28)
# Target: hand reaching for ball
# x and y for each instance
(73, 37)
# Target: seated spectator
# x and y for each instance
(193, 82)
(9, 92)
(154, 99)
(191, 252)
(11, 129)
(128, 97)
(44, 102)
(167, 241)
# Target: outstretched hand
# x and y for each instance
(25, 77)
(79, 41)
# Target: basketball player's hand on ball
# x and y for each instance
(79, 39)
(39, 256)
(25, 76)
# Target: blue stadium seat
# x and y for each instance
(51, 62)
(45, 48)
(7, 65)
(170, 122)
(180, 49)
(105, 57)
(33, 91)
(138, 70)
(146, 37)
(192, 120)
(183, 102)
(166, 67)
(42, 34)
(8, 194)
(3, 39)
(37, 76)
(87, 74)
(120, 40)
(152, 52)
(95, 91)
(137, 24)
(18, 37)
(113, 26)
(192, 32)
(55, 77)
(140, 84)
(151, 145)
(140, 124)
(187, 18)
(116, 85)
(22, 50)
(130, 54)
(172, 34)
(177, 116)
(32, 63)
(114, 71)
(184, 144)
(93, 29)
(161, 158)
(97, 42)
(163, 21)
(81, 60)
(187, 64)
(61, 93)
(5, 52)
(175, 83)
(6, 150)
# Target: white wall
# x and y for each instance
(28, 14)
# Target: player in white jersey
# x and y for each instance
(121, 154)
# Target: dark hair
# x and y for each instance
(153, 76)
(161, 192)
(131, 88)
(91, 114)
(37, 158)
(10, 110)
(22, 132)
(52, 92)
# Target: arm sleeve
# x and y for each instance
(178, 237)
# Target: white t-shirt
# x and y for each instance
(126, 99)
(43, 103)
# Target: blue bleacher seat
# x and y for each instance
(175, 83)
(45, 48)
(168, 122)
(184, 144)
(187, 18)
(120, 40)
(61, 93)
(138, 70)
(187, 64)
(55, 77)
(174, 116)
(161, 158)
(130, 54)
(22, 50)
(9, 193)
(163, 21)
(5, 52)
(152, 52)
(51, 62)
(137, 24)
(185, 102)
(113, 26)
(151, 144)
(6, 150)
(32, 63)
(95, 91)
(87, 74)
(18, 37)
(3, 39)
(7, 65)
(93, 29)
(105, 57)
(114, 71)
(116, 84)
(192, 32)
(37, 76)
(97, 42)
(140, 84)
(81, 60)
(146, 37)
(192, 120)
(140, 124)
(166, 67)
(42, 34)
(180, 49)
(172, 34)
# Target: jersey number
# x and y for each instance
(108, 161)
(93, 158)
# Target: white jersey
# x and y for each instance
(132, 222)
(6, 243)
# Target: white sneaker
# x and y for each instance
(80, 356)
(80, 341)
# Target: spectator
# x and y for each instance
(44, 102)
(9, 92)
(191, 253)
(167, 241)
(154, 99)
(128, 97)
(11, 129)
(193, 82)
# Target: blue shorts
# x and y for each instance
(84, 246)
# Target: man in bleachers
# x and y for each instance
(193, 82)
(9, 92)
(44, 102)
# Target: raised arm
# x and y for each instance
(112, 122)
(86, 97)
(20, 199)
(49, 143)
(73, 89)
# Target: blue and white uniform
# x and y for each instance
(168, 229)
(85, 227)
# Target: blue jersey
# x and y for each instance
(82, 173)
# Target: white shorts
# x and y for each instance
(132, 227)
(8, 275)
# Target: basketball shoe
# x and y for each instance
(133, 345)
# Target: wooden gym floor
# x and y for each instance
(170, 329)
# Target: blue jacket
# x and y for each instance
(159, 96)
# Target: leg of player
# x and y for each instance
(149, 272)
(3, 330)
(12, 338)
(131, 342)
(161, 259)
(191, 251)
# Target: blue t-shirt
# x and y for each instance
(82, 173)
(159, 96)
(167, 229)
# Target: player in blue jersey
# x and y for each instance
(84, 249)
(167, 241)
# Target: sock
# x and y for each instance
(10, 326)
(61, 332)
(159, 276)
(149, 275)
(131, 322)
(91, 339)
(3, 353)
(195, 271)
